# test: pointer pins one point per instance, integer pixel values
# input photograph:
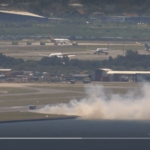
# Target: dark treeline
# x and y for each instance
(131, 61)
(132, 2)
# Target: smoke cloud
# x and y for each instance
(98, 104)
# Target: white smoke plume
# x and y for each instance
(98, 105)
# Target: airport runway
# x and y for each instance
(9, 44)
(31, 52)
(18, 108)
(83, 55)
(43, 91)
(39, 91)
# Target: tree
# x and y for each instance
(131, 53)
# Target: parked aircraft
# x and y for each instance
(57, 41)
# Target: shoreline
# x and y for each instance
(40, 119)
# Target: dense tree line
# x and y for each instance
(133, 2)
(131, 61)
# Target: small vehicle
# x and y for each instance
(86, 80)
(31, 107)
(125, 79)
(72, 81)
(101, 50)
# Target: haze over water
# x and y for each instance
(77, 128)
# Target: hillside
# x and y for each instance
(64, 8)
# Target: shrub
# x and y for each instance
(29, 43)
(42, 43)
(74, 44)
(14, 43)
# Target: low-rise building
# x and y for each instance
(80, 77)
(108, 75)
(100, 74)
(135, 76)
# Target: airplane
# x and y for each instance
(57, 41)
(60, 55)
(147, 48)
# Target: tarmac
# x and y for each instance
(32, 52)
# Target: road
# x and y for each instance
(18, 108)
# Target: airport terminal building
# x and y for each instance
(108, 75)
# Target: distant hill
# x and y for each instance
(61, 8)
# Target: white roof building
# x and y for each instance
(128, 72)
(5, 70)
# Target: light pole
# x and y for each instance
(123, 46)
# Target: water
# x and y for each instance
(76, 128)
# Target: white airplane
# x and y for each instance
(60, 55)
(57, 41)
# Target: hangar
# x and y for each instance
(100, 74)
(108, 75)
(135, 76)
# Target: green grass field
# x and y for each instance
(5, 90)
(80, 86)
(42, 99)
(76, 91)
(79, 28)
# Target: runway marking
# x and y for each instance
(79, 138)
(17, 107)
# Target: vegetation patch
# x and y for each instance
(14, 90)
